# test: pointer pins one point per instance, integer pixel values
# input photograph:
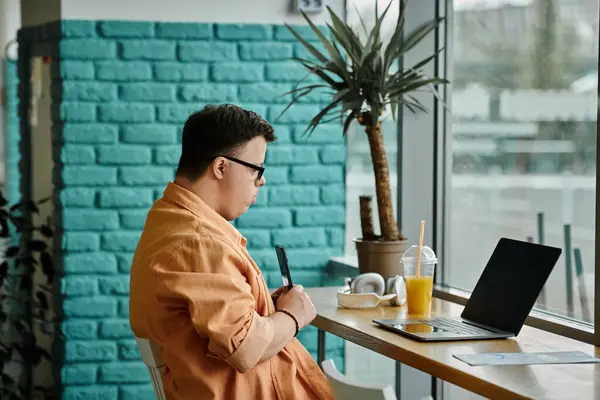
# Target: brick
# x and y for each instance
(134, 176)
(78, 197)
(317, 174)
(282, 33)
(90, 393)
(124, 260)
(168, 155)
(87, 49)
(266, 51)
(270, 218)
(77, 28)
(320, 216)
(128, 350)
(147, 92)
(123, 307)
(300, 237)
(125, 197)
(302, 52)
(72, 286)
(149, 134)
(317, 95)
(90, 351)
(84, 175)
(130, 372)
(120, 241)
(80, 241)
(208, 92)
(334, 154)
(76, 154)
(266, 259)
(126, 112)
(115, 329)
(175, 113)
(333, 194)
(76, 70)
(310, 258)
(244, 32)
(147, 50)
(137, 392)
(289, 195)
(207, 51)
(79, 329)
(79, 374)
(283, 134)
(182, 30)
(90, 263)
(74, 112)
(88, 91)
(257, 238)
(292, 155)
(265, 92)
(123, 71)
(177, 72)
(262, 198)
(296, 114)
(124, 154)
(335, 236)
(133, 219)
(233, 72)
(89, 133)
(114, 285)
(324, 133)
(276, 175)
(121, 29)
(286, 71)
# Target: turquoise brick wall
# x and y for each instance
(12, 133)
(122, 91)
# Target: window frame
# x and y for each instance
(424, 195)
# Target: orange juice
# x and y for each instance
(418, 294)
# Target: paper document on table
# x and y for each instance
(554, 357)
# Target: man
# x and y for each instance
(196, 292)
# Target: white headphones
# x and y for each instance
(372, 282)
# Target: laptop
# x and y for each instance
(501, 300)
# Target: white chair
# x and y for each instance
(345, 388)
(151, 356)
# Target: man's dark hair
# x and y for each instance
(217, 130)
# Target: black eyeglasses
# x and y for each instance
(259, 168)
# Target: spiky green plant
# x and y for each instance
(357, 73)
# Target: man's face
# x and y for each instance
(240, 183)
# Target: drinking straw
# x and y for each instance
(420, 248)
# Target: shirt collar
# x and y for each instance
(196, 205)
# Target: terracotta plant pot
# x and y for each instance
(381, 257)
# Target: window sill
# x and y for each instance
(346, 266)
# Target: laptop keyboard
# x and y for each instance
(455, 326)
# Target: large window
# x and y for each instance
(522, 141)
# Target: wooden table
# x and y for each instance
(563, 381)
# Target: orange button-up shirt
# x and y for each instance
(197, 293)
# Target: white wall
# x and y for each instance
(249, 11)
(10, 22)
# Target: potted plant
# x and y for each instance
(358, 75)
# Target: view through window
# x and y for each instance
(523, 137)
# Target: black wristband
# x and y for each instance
(292, 317)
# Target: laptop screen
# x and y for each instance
(510, 284)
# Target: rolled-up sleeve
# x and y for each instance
(205, 278)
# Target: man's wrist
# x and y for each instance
(293, 318)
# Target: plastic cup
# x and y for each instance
(419, 289)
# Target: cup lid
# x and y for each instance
(412, 254)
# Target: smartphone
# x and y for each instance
(284, 267)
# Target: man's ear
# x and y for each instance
(218, 167)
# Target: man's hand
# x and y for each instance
(278, 293)
(297, 302)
